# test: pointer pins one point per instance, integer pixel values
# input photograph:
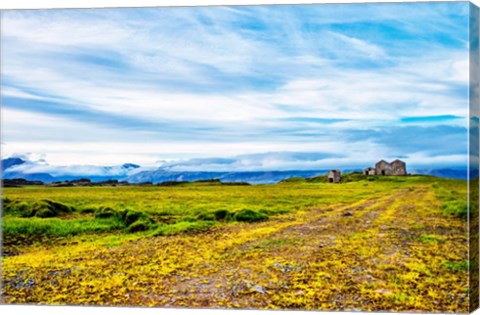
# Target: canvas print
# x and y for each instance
(290, 157)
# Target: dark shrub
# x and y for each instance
(213, 180)
(236, 184)
(172, 183)
(133, 216)
(247, 215)
(206, 217)
(42, 209)
(105, 212)
(140, 225)
(45, 213)
(21, 209)
(222, 215)
(39, 206)
(57, 207)
(87, 210)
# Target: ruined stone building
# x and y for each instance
(397, 168)
(369, 171)
(334, 176)
(383, 168)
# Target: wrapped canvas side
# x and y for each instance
(473, 157)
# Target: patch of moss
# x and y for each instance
(45, 213)
(131, 216)
(140, 226)
(247, 215)
(223, 215)
(105, 212)
(205, 216)
(456, 265)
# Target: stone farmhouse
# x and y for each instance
(396, 168)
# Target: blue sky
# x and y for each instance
(238, 88)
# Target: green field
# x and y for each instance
(377, 243)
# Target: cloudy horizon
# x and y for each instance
(243, 88)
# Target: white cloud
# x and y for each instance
(239, 74)
(179, 54)
(74, 170)
(360, 48)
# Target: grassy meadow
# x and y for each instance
(376, 243)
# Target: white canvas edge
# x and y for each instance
(78, 310)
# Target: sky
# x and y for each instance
(237, 88)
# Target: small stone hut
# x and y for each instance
(334, 176)
(369, 171)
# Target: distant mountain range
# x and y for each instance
(261, 177)
(8, 163)
(443, 172)
(19, 168)
(16, 168)
(8, 171)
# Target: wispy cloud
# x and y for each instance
(147, 84)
